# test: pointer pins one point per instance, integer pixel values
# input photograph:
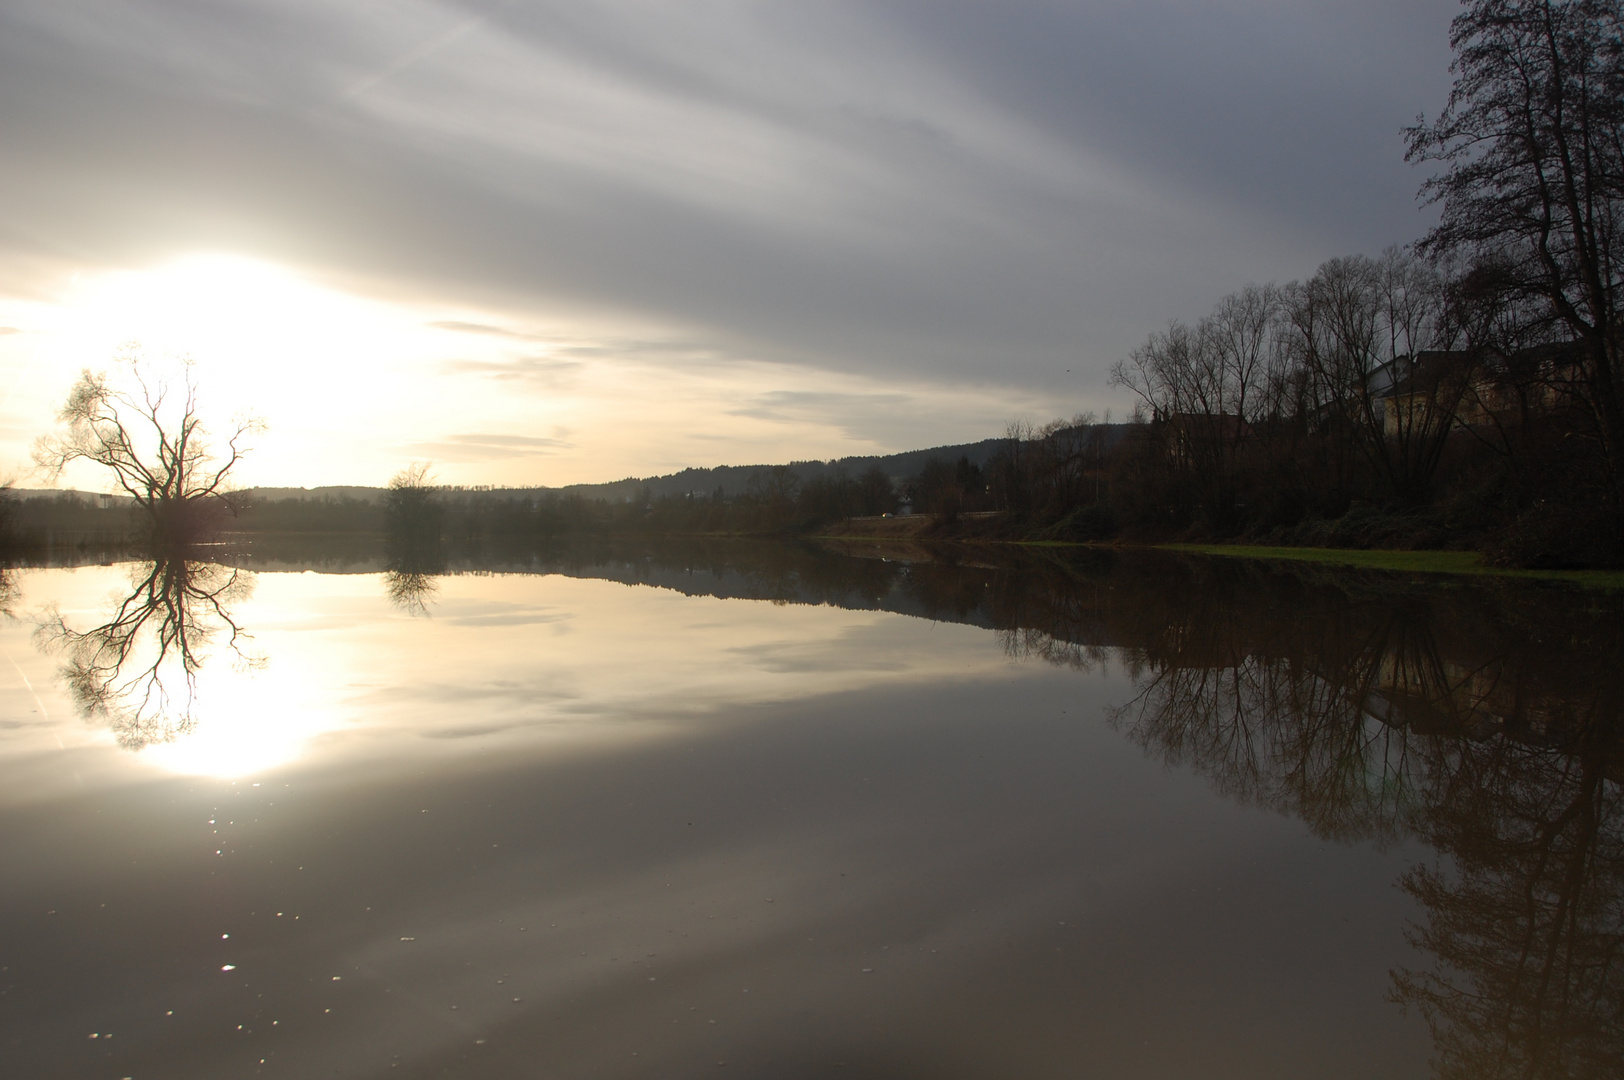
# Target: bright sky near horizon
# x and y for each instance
(545, 242)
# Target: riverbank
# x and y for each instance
(1462, 563)
(924, 527)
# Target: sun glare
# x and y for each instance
(247, 324)
(336, 377)
(248, 722)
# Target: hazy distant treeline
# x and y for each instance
(775, 502)
(66, 519)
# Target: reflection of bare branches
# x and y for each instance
(1527, 927)
(1036, 645)
(416, 553)
(9, 591)
(1493, 734)
(1268, 731)
(410, 590)
(137, 672)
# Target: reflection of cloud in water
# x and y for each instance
(856, 648)
(509, 659)
(634, 654)
(865, 813)
(516, 617)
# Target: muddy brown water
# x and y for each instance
(761, 810)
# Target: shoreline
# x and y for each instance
(1432, 562)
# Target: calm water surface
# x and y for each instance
(772, 811)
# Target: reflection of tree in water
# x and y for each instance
(410, 590)
(9, 590)
(1486, 724)
(137, 672)
(415, 552)
(1274, 711)
(414, 563)
(1527, 925)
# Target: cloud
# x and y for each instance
(891, 418)
(933, 192)
(7, 331)
(873, 416)
(545, 370)
(487, 447)
(482, 329)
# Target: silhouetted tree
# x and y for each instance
(875, 494)
(1206, 384)
(1372, 338)
(411, 505)
(414, 547)
(145, 429)
(1532, 140)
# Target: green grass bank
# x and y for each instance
(1465, 563)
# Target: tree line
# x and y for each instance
(1464, 391)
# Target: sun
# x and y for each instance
(238, 319)
(333, 375)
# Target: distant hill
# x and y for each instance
(735, 479)
(266, 494)
(95, 498)
(731, 479)
(335, 493)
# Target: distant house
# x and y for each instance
(1187, 431)
(1473, 391)
(1410, 388)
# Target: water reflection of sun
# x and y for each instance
(247, 723)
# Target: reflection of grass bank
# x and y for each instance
(910, 542)
(1419, 562)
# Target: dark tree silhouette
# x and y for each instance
(415, 518)
(146, 430)
(1532, 144)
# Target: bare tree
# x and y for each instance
(1208, 384)
(410, 504)
(777, 487)
(1372, 339)
(146, 430)
(1532, 144)
(415, 518)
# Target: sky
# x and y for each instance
(542, 242)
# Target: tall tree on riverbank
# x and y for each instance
(1355, 334)
(1208, 384)
(1532, 190)
(143, 425)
